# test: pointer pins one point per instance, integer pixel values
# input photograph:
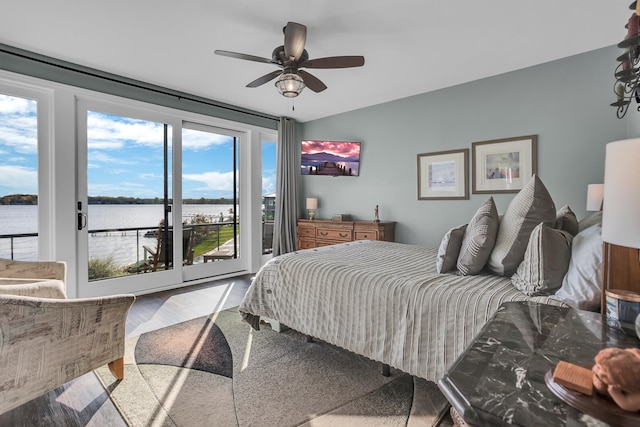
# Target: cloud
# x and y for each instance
(19, 179)
(15, 105)
(18, 129)
(106, 131)
(212, 180)
(198, 140)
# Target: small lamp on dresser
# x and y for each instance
(621, 218)
(312, 205)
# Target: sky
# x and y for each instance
(340, 148)
(125, 156)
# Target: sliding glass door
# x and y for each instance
(211, 198)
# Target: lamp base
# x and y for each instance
(312, 214)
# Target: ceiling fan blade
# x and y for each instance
(311, 81)
(264, 79)
(244, 56)
(295, 37)
(334, 62)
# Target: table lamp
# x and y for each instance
(621, 227)
(595, 194)
(621, 209)
(312, 205)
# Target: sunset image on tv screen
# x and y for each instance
(330, 158)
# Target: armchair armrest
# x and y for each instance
(45, 343)
(34, 269)
(33, 288)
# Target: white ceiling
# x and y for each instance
(410, 46)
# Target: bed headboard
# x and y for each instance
(621, 269)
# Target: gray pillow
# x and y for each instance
(450, 249)
(582, 285)
(479, 238)
(566, 220)
(589, 220)
(545, 262)
(531, 206)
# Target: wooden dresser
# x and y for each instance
(320, 232)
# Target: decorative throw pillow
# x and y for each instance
(479, 238)
(589, 220)
(582, 285)
(450, 249)
(566, 220)
(545, 262)
(531, 206)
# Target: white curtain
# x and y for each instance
(288, 170)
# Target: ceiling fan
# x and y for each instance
(291, 57)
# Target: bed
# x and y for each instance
(417, 308)
(382, 300)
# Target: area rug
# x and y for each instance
(217, 371)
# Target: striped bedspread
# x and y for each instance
(381, 300)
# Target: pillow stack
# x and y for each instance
(531, 242)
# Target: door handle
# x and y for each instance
(82, 220)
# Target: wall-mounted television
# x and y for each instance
(330, 158)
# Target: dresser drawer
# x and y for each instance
(307, 232)
(306, 244)
(328, 234)
(367, 235)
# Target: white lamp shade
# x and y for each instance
(312, 203)
(595, 193)
(621, 210)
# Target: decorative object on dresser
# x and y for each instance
(340, 217)
(320, 232)
(443, 175)
(503, 165)
(620, 213)
(312, 205)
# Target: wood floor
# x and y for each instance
(83, 401)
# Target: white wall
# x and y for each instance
(564, 102)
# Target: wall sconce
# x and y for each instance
(312, 205)
(595, 193)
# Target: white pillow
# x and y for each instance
(582, 285)
(450, 249)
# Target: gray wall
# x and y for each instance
(564, 102)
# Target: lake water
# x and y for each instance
(124, 247)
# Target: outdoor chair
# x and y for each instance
(162, 256)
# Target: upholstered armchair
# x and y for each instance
(47, 340)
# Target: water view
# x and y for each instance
(125, 247)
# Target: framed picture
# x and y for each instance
(443, 175)
(503, 165)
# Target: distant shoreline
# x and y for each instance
(32, 199)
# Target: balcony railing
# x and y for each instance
(24, 246)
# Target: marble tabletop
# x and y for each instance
(499, 378)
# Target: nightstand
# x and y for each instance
(499, 378)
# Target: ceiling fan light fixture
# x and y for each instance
(290, 85)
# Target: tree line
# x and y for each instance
(32, 199)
